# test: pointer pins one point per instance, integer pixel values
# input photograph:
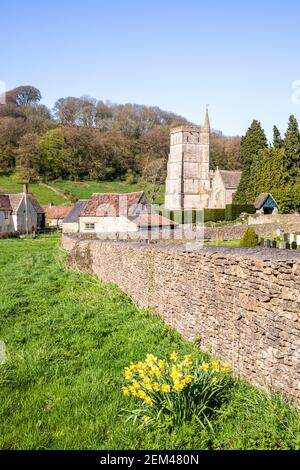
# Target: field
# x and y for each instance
(75, 190)
(68, 338)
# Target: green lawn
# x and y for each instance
(43, 194)
(84, 189)
(68, 338)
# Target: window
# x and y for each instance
(6, 215)
(187, 139)
(89, 226)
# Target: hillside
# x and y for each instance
(66, 192)
(85, 139)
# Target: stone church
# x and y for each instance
(191, 184)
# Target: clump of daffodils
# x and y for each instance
(158, 383)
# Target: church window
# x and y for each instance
(187, 139)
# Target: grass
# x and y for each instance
(85, 189)
(223, 243)
(68, 338)
(43, 194)
(76, 189)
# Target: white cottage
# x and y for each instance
(20, 212)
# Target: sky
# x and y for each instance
(240, 57)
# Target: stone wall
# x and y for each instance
(243, 304)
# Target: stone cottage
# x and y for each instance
(20, 212)
(111, 213)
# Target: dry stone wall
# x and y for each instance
(243, 304)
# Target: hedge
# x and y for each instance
(181, 216)
(214, 215)
(233, 211)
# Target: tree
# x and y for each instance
(254, 141)
(52, 151)
(26, 95)
(277, 140)
(28, 158)
(292, 147)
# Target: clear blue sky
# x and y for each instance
(241, 57)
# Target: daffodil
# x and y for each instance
(161, 364)
(187, 361)
(146, 418)
(215, 365)
(188, 379)
(165, 388)
(174, 356)
(156, 387)
(126, 391)
(225, 367)
(205, 366)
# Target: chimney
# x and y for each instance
(25, 188)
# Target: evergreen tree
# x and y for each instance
(292, 147)
(277, 140)
(254, 141)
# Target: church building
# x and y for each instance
(191, 184)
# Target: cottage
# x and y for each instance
(56, 214)
(115, 214)
(20, 212)
(266, 204)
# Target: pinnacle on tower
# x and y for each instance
(206, 121)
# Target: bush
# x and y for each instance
(250, 239)
(214, 215)
(172, 393)
(233, 211)
(5, 235)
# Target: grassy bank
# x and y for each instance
(68, 338)
(76, 189)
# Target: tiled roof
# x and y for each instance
(231, 179)
(73, 215)
(5, 204)
(57, 212)
(15, 200)
(111, 204)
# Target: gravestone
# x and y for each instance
(268, 243)
(274, 244)
(292, 238)
(285, 237)
(298, 240)
(288, 245)
(294, 246)
(282, 245)
(262, 242)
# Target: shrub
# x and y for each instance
(233, 211)
(169, 394)
(250, 238)
(214, 215)
(183, 216)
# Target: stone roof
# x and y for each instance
(15, 200)
(57, 212)
(231, 179)
(74, 213)
(112, 204)
(152, 220)
(5, 204)
(35, 204)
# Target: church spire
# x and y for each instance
(206, 121)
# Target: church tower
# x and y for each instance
(188, 184)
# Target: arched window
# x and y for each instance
(187, 139)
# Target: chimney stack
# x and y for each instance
(25, 188)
